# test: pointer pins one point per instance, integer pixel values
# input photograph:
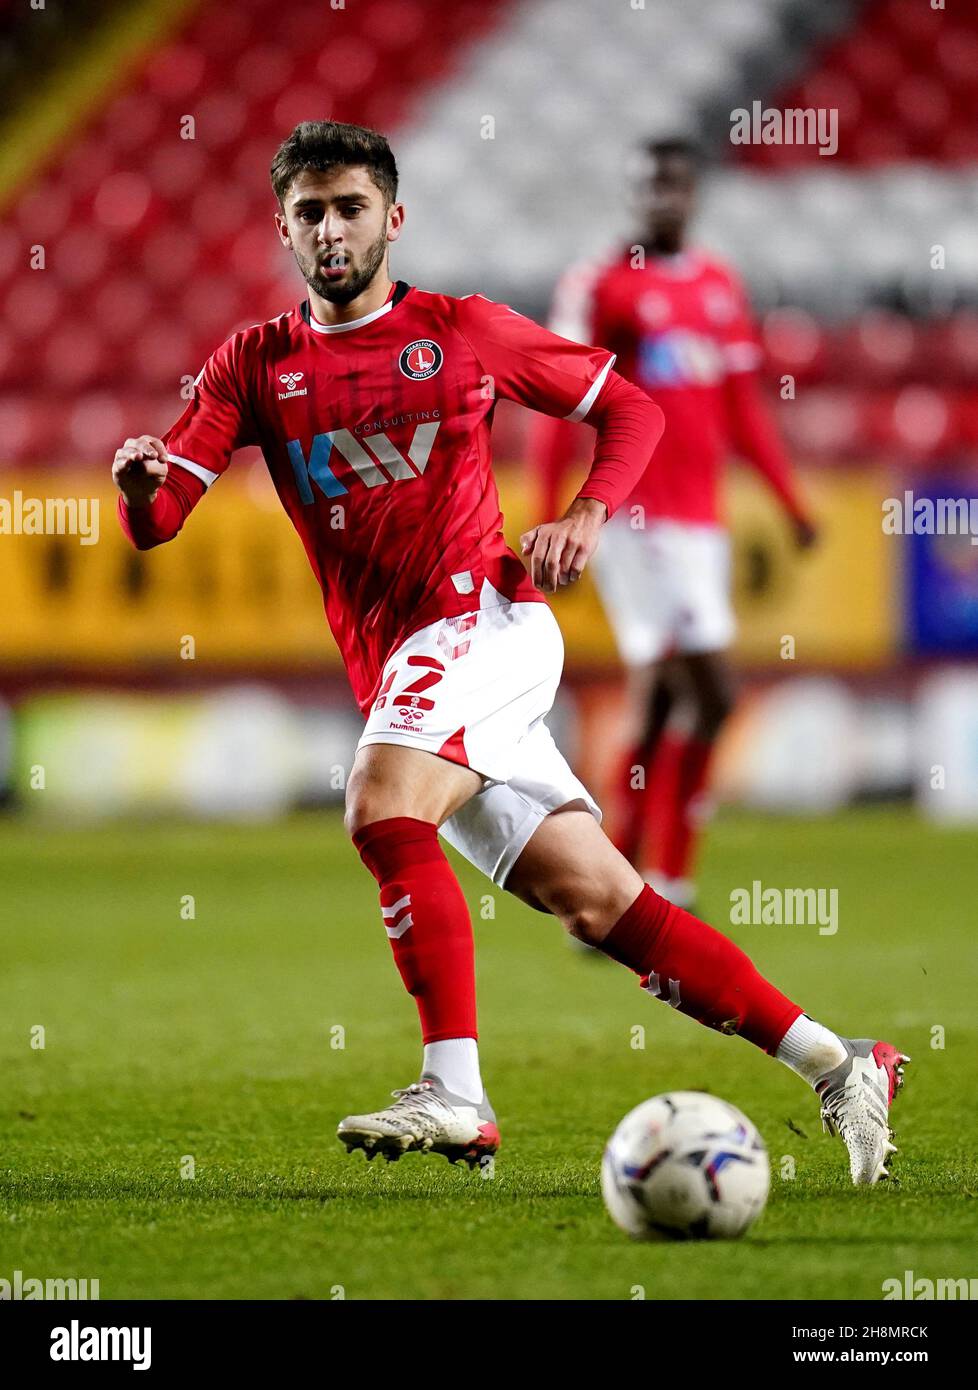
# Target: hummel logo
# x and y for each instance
(290, 380)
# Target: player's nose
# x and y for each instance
(330, 231)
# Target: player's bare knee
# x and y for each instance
(367, 800)
(712, 713)
(568, 902)
(587, 925)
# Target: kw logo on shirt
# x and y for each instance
(382, 463)
(679, 358)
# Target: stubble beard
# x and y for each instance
(358, 279)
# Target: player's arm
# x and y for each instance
(154, 503)
(160, 481)
(750, 425)
(629, 426)
(572, 382)
(755, 438)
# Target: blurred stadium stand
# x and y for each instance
(141, 226)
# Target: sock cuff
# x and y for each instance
(389, 846)
(637, 929)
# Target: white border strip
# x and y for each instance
(198, 470)
(580, 411)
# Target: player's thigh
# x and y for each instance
(705, 620)
(570, 868)
(389, 779)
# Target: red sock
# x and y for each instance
(698, 971)
(630, 804)
(661, 794)
(427, 920)
(682, 825)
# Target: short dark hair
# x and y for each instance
(675, 145)
(323, 145)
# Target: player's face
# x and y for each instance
(338, 227)
(666, 196)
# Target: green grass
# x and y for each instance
(211, 1038)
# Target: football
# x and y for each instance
(685, 1166)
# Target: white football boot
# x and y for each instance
(856, 1097)
(425, 1118)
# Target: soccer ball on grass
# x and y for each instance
(684, 1166)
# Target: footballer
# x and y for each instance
(372, 402)
(679, 322)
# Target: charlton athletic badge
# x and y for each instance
(421, 359)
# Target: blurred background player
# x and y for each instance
(679, 323)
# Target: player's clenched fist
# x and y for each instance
(139, 469)
(559, 550)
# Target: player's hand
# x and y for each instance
(559, 550)
(806, 534)
(139, 469)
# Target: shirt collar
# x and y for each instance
(400, 290)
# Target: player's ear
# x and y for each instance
(282, 227)
(395, 221)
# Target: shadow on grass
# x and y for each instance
(358, 1186)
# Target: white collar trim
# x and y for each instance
(318, 327)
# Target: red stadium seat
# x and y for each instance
(94, 428)
(177, 72)
(32, 305)
(74, 358)
(122, 201)
(123, 308)
(902, 79)
(921, 420)
(794, 343)
(168, 257)
(162, 358)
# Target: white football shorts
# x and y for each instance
(665, 588)
(476, 689)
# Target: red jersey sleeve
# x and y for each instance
(217, 421)
(751, 429)
(529, 364)
(539, 369)
(741, 344)
(218, 417)
(164, 516)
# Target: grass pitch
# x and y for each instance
(229, 1043)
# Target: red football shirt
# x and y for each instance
(682, 331)
(377, 437)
